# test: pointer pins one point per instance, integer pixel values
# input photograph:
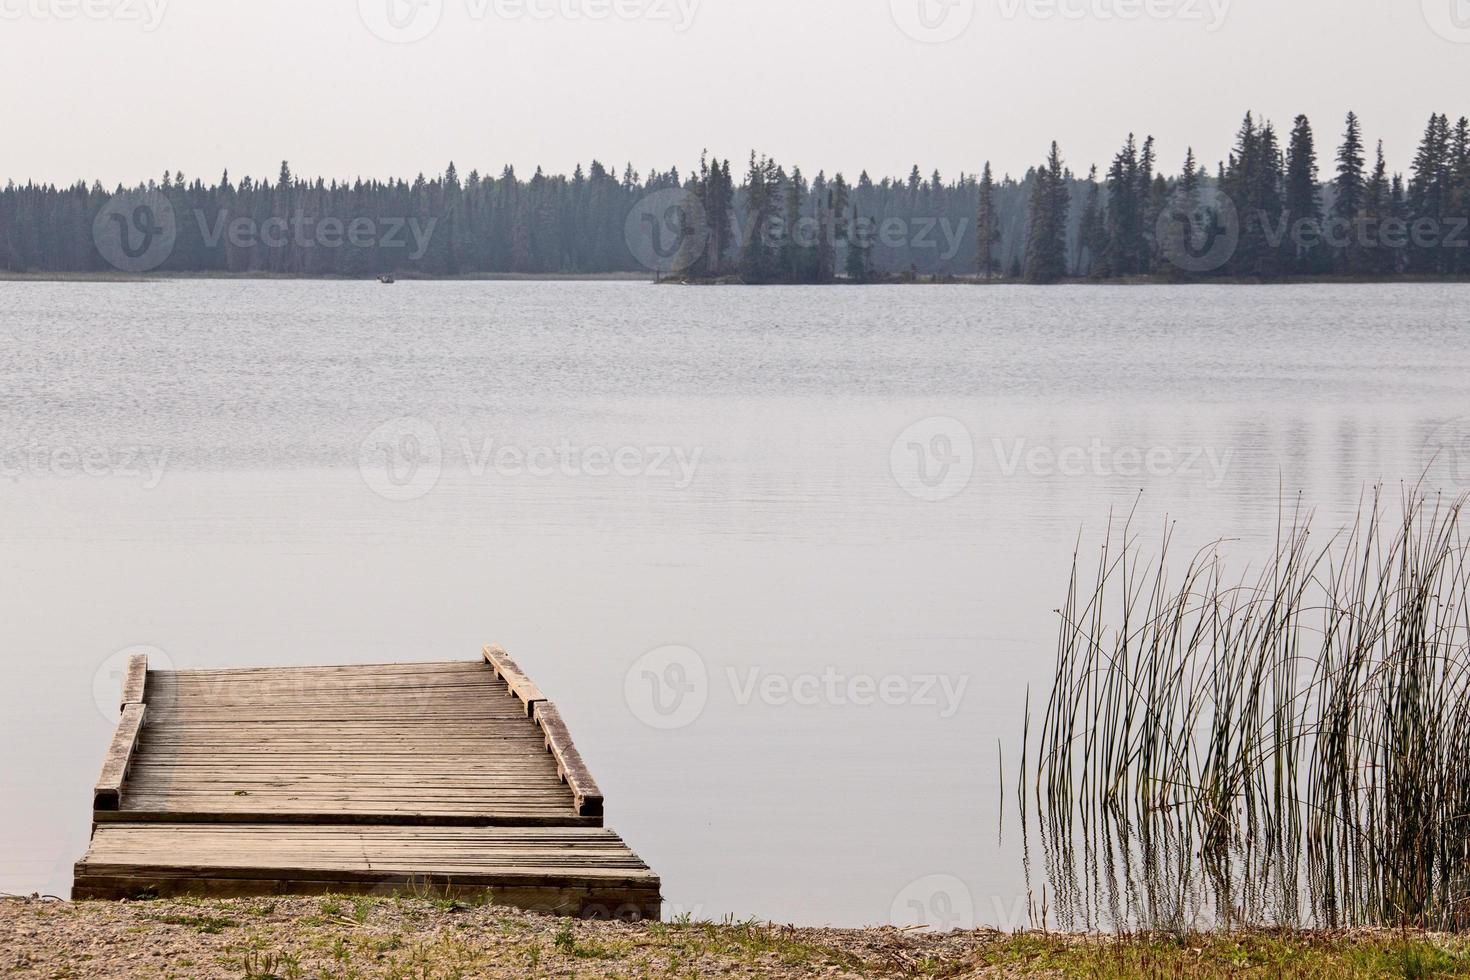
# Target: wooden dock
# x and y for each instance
(430, 779)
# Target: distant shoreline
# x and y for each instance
(926, 280)
(894, 280)
(247, 276)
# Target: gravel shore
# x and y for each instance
(346, 937)
(354, 937)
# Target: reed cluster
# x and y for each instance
(1288, 747)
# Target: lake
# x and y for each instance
(787, 558)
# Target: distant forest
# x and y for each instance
(1270, 211)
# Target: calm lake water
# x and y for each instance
(786, 558)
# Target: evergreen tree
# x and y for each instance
(1124, 219)
(696, 256)
(1092, 233)
(795, 252)
(712, 205)
(1150, 197)
(1156, 200)
(1306, 252)
(832, 230)
(1186, 226)
(1380, 258)
(1189, 183)
(1458, 206)
(1046, 242)
(720, 211)
(1253, 183)
(987, 226)
(1347, 205)
(1430, 189)
(859, 250)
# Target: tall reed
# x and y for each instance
(1286, 748)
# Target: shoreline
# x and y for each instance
(114, 277)
(287, 937)
(646, 278)
(949, 280)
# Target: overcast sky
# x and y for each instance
(124, 89)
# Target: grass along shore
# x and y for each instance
(346, 937)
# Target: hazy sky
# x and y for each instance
(124, 89)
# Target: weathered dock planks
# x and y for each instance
(566, 870)
(137, 676)
(285, 780)
(520, 685)
(108, 791)
(569, 765)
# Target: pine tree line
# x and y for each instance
(588, 223)
(1265, 213)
